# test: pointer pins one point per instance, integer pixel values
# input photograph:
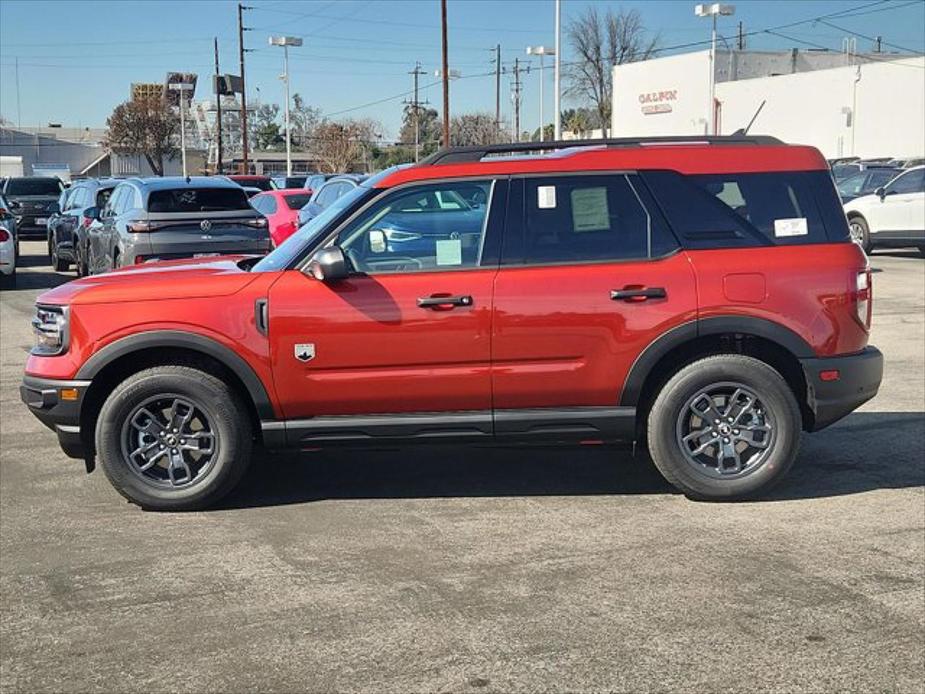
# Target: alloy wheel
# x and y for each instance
(725, 431)
(169, 441)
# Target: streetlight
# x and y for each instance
(558, 120)
(713, 10)
(182, 87)
(285, 42)
(542, 52)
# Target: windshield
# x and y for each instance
(34, 186)
(288, 250)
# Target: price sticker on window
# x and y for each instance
(546, 197)
(795, 226)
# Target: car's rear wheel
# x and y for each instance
(57, 263)
(860, 232)
(173, 438)
(725, 427)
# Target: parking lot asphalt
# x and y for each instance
(461, 569)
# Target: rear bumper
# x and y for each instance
(858, 381)
(43, 398)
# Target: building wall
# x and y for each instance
(877, 109)
(44, 150)
(665, 96)
(874, 109)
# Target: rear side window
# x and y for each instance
(750, 209)
(297, 201)
(583, 219)
(198, 200)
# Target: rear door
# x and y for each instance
(589, 277)
(408, 333)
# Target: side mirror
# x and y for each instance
(881, 192)
(329, 265)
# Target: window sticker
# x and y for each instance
(546, 197)
(589, 209)
(449, 252)
(795, 226)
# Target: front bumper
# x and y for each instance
(43, 396)
(859, 377)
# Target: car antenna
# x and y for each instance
(744, 131)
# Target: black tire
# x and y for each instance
(860, 232)
(8, 281)
(698, 481)
(226, 415)
(57, 263)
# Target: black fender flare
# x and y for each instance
(714, 325)
(192, 341)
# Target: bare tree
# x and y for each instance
(147, 127)
(475, 129)
(341, 146)
(600, 42)
(303, 119)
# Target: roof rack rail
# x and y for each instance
(459, 155)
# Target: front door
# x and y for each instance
(587, 281)
(406, 337)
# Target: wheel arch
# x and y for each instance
(772, 343)
(131, 354)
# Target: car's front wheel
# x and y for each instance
(57, 263)
(860, 232)
(725, 427)
(173, 438)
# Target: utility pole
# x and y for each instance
(740, 43)
(18, 107)
(878, 44)
(515, 97)
(446, 78)
(218, 114)
(241, 9)
(415, 110)
(498, 85)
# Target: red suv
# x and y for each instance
(701, 298)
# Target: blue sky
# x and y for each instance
(78, 58)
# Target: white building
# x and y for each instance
(875, 107)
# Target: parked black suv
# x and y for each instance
(151, 219)
(68, 229)
(32, 201)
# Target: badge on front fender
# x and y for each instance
(304, 351)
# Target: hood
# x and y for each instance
(176, 279)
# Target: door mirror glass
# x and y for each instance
(377, 241)
(328, 265)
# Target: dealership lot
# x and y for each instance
(476, 569)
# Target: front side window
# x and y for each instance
(910, 182)
(583, 218)
(420, 229)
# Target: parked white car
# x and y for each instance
(892, 216)
(9, 245)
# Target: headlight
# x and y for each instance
(50, 326)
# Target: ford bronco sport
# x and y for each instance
(700, 298)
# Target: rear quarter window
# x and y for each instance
(198, 200)
(297, 201)
(750, 209)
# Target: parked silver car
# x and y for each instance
(155, 219)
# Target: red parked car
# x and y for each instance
(701, 298)
(281, 208)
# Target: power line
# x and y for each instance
(869, 38)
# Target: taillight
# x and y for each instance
(87, 221)
(864, 295)
(258, 223)
(4, 234)
(136, 226)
